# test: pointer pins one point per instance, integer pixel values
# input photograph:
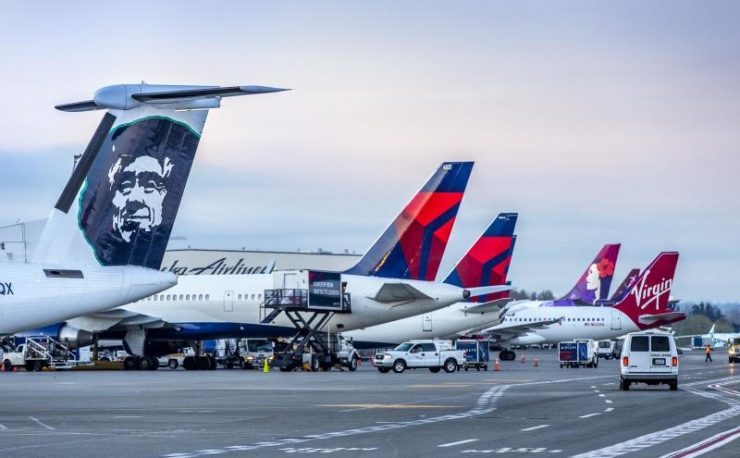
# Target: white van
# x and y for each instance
(649, 357)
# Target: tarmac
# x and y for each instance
(518, 411)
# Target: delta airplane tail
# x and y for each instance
(487, 262)
(647, 303)
(413, 245)
(596, 279)
(120, 203)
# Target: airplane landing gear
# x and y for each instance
(507, 355)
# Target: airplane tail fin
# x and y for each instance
(596, 279)
(711, 331)
(647, 302)
(413, 245)
(120, 203)
(624, 287)
(487, 262)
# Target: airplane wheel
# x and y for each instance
(188, 363)
(143, 363)
(129, 363)
(154, 363)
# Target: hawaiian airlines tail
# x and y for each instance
(487, 262)
(413, 245)
(596, 279)
(647, 303)
(121, 201)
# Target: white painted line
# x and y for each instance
(597, 391)
(608, 401)
(589, 415)
(593, 386)
(602, 395)
(451, 444)
(534, 427)
(42, 424)
(608, 409)
(707, 445)
(2, 426)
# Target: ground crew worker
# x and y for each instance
(709, 354)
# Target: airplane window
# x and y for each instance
(167, 297)
(252, 296)
(187, 297)
(155, 297)
(259, 296)
(239, 297)
(200, 297)
(180, 296)
(208, 296)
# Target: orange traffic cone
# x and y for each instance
(497, 366)
(536, 362)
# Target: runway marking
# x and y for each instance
(608, 409)
(484, 405)
(42, 424)
(532, 428)
(597, 391)
(707, 445)
(196, 411)
(2, 427)
(445, 385)
(589, 415)
(452, 444)
(658, 437)
(390, 406)
(128, 416)
(608, 401)
(511, 450)
(602, 395)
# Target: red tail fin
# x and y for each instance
(649, 294)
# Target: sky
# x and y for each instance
(599, 122)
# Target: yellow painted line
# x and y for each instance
(390, 406)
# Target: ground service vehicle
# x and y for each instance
(477, 353)
(415, 354)
(607, 349)
(37, 353)
(734, 350)
(578, 353)
(649, 357)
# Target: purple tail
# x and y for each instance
(595, 281)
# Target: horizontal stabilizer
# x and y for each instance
(396, 292)
(129, 96)
(667, 317)
(484, 290)
(494, 306)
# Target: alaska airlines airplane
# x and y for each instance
(104, 241)
(715, 339)
(645, 306)
(388, 283)
(486, 263)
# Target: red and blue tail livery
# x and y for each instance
(593, 286)
(413, 245)
(487, 262)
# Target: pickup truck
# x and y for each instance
(415, 354)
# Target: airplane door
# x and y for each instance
(426, 322)
(229, 301)
(290, 281)
(616, 320)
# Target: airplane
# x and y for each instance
(104, 240)
(485, 263)
(388, 283)
(645, 306)
(715, 339)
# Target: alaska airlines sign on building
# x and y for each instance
(237, 262)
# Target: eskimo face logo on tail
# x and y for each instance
(139, 193)
(646, 295)
(134, 189)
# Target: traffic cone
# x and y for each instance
(497, 366)
(523, 360)
(536, 362)
(266, 367)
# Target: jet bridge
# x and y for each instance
(309, 309)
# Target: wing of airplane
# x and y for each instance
(398, 292)
(505, 330)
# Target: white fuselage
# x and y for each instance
(576, 322)
(238, 299)
(34, 295)
(446, 323)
